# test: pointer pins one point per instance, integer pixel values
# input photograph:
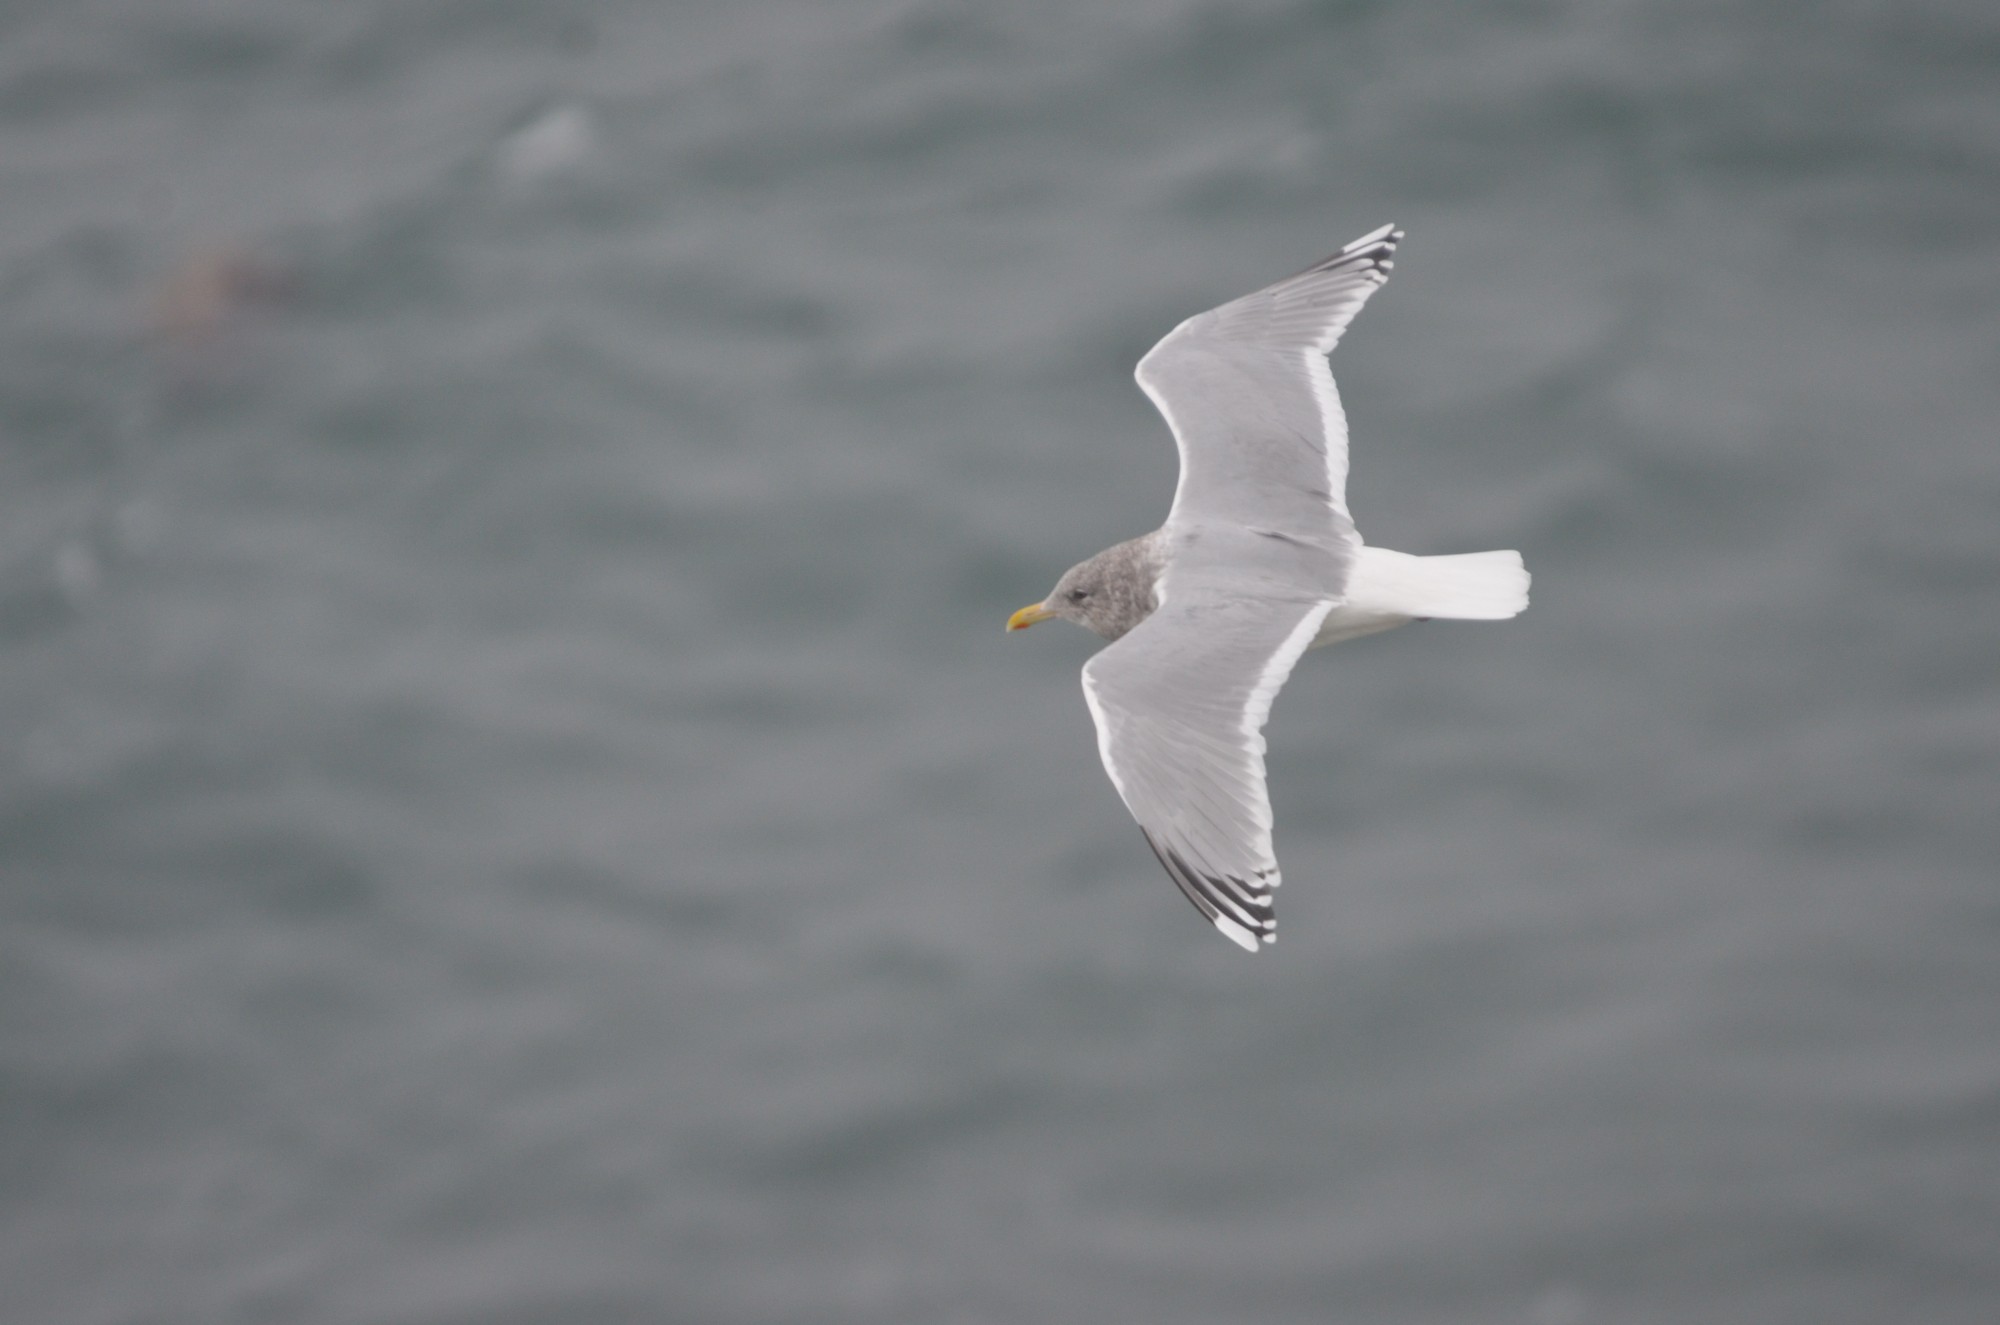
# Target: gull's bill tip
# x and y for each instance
(1028, 616)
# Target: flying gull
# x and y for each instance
(1258, 562)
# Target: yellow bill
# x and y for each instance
(1028, 616)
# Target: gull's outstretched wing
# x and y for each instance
(1246, 390)
(1180, 705)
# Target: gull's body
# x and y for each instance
(1257, 562)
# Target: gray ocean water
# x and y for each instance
(516, 805)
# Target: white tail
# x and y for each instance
(1387, 588)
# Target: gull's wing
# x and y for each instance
(1180, 704)
(1252, 405)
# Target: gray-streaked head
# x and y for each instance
(1108, 594)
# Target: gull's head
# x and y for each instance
(1107, 595)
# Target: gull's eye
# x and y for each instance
(1077, 595)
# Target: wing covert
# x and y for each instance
(1246, 390)
(1180, 705)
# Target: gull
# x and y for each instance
(1257, 562)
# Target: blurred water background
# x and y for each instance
(516, 805)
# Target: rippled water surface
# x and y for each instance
(516, 806)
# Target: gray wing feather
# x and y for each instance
(1180, 705)
(1257, 548)
(1246, 390)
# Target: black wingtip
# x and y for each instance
(1225, 902)
(1370, 254)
